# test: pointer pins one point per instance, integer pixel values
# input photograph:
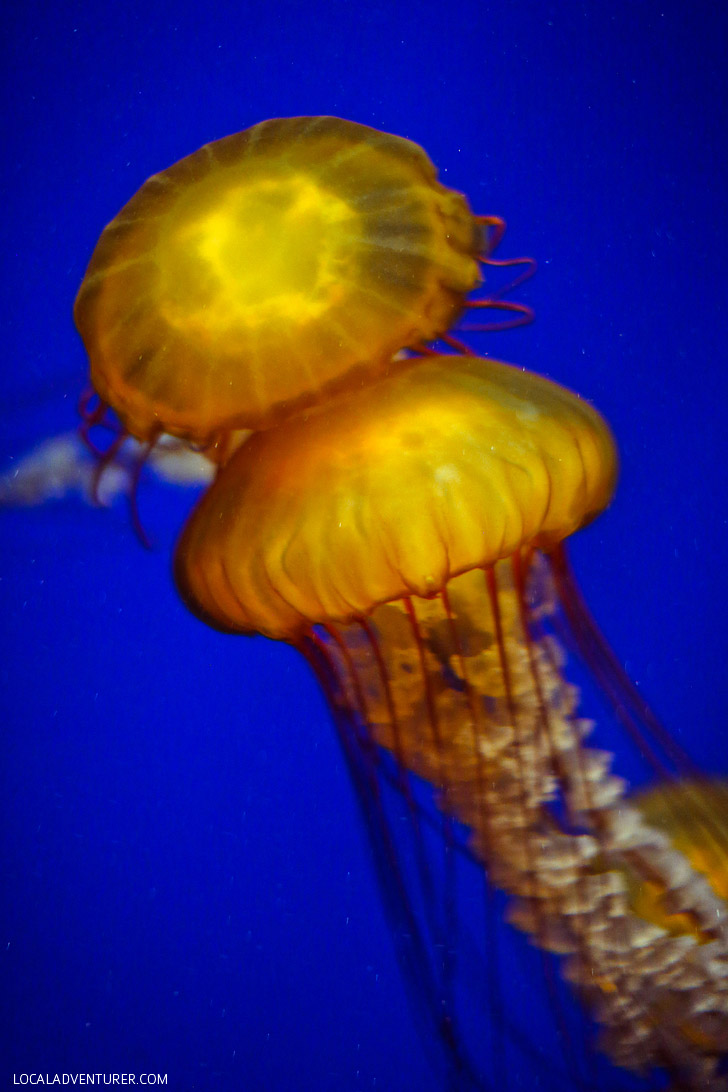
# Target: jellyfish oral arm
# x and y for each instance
(479, 707)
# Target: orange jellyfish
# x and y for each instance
(402, 522)
(407, 539)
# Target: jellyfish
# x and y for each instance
(408, 539)
(400, 516)
(268, 270)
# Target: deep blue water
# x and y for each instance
(187, 887)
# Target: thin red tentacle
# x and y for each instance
(134, 493)
(94, 413)
(524, 312)
(104, 459)
(458, 345)
(529, 268)
(495, 228)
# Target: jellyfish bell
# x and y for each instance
(388, 493)
(693, 813)
(266, 271)
(408, 539)
(691, 817)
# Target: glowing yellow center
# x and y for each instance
(266, 251)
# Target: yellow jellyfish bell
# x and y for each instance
(266, 271)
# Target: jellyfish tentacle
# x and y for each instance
(105, 459)
(493, 301)
(94, 413)
(568, 882)
(629, 705)
(412, 947)
(530, 266)
(98, 416)
(141, 461)
(401, 748)
(524, 312)
(458, 345)
(441, 784)
(476, 724)
(494, 230)
(628, 702)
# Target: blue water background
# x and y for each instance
(186, 884)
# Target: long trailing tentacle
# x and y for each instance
(663, 753)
